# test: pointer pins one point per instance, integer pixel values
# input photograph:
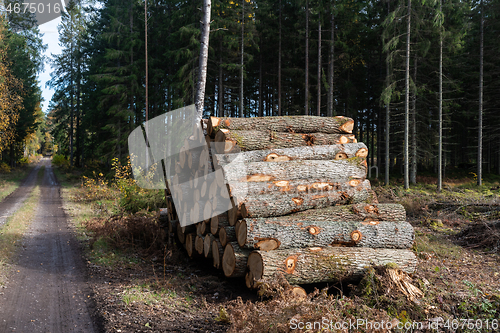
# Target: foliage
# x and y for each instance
(60, 161)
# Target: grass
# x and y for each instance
(9, 182)
(13, 230)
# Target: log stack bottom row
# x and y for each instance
(301, 205)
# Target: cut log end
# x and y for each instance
(273, 157)
(363, 152)
(348, 126)
(267, 244)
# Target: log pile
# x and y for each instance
(300, 203)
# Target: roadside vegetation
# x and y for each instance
(11, 178)
(137, 272)
(12, 231)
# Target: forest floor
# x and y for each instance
(139, 284)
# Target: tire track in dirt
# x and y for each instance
(48, 291)
(11, 203)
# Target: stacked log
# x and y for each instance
(299, 202)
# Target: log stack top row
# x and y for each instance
(301, 205)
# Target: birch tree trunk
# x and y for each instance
(202, 73)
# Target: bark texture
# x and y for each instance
(256, 233)
(291, 124)
(234, 140)
(326, 152)
(327, 264)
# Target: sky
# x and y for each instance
(51, 38)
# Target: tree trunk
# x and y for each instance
(235, 141)
(327, 264)
(413, 171)
(407, 103)
(480, 124)
(269, 234)
(279, 63)
(440, 146)
(234, 260)
(290, 124)
(202, 72)
(318, 112)
(331, 63)
(306, 102)
(241, 57)
(327, 152)
(277, 204)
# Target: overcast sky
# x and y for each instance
(50, 38)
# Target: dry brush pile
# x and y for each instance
(300, 203)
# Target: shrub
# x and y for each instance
(4, 167)
(60, 161)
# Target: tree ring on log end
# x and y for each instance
(363, 152)
(267, 244)
(313, 230)
(341, 156)
(343, 139)
(356, 236)
(290, 264)
(298, 201)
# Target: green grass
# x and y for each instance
(9, 182)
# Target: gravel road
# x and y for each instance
(47, 291)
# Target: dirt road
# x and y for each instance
(47, 291)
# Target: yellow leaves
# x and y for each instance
(10, 100)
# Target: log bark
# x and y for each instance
(227, 141)
(353, 212)
(217, 253)
(240, 190)
(227, 234)
(278, 204)
(333, 171)
(292, 124)
(207, 245)
(328, 152)
(269, 233)
(234, 260)
(327, 264)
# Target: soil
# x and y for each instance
(47, 291)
